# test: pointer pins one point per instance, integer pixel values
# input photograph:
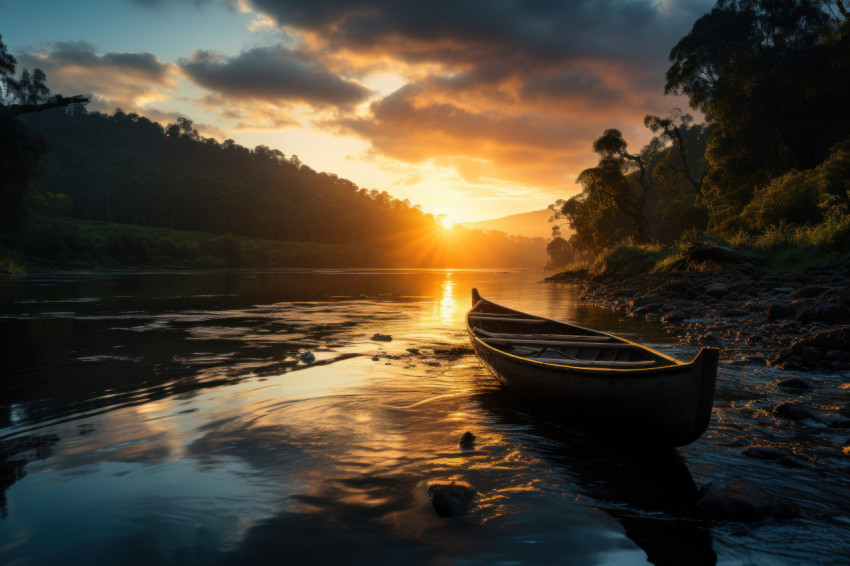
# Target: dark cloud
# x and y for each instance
(273, 74)
(82, 54)
(507, 30)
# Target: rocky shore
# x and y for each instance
(798, 321)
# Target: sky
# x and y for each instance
(472, 109)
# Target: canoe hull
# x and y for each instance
(664, 406)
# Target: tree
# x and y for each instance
(622, 177)
(560, 253)
(674, 129)
(773, 79)
(29, 93)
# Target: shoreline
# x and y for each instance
(793, 321)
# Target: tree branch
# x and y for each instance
(58, 102)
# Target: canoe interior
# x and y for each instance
(553, 342)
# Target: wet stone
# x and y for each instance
(793, 383)
(744, 501)
(765, 453)
(453, 499)
(467, 440)
(795, 411)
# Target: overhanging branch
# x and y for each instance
(57, 102)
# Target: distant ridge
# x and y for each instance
(533, 224)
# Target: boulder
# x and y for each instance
(467, 440)
(793, 383)
(451, 499)
(744, 501)
(795, 411)
(779, 311)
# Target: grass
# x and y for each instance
(781, 248)
(79, 244)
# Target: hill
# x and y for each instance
(533, 224)
(125, 169)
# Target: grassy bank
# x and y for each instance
(780, 248)
(77, 244)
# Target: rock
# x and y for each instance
(716, 290)
(795, 411)
(467, 440)
(793, 383)
(306, 357)
(414, 351)
(744, 501)
(649, 299)
(779, 311)
(830, 313)
(453, 499)
(382, 337)
(674, 317)
(809, 291)
(765, 453)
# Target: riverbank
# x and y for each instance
(51, 244)
(794, 321)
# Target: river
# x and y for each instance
(250, 417)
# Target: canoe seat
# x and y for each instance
(567, 343)
(569, 337)
(509, 319)
(596, 363)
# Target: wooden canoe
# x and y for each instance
(595, 380)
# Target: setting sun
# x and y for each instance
(446, 221)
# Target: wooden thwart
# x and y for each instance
(595, 363)
(569, 337)
(510, 319)
(571, 343)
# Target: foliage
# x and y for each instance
(802, 197)
(560, 253)
(773, 79)
(20, 151)
(651, 196)
(126, 169)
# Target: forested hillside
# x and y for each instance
(127, 169)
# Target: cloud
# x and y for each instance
(530, 148)
(272, 74)
(129, 80)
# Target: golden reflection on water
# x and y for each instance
(448, 305)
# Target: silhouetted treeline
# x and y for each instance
(124, 168)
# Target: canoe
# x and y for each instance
(597, 381)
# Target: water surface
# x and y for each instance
(178, 418)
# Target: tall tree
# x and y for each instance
(773, 78)
(622, 177)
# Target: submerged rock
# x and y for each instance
(744, 501)
(451, 499)
(467, 440)
(307, 357)
(382, 337)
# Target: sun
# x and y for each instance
(446, 221)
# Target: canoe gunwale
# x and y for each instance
(674, 365)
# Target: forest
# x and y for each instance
(124, 169)
(769, 168)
